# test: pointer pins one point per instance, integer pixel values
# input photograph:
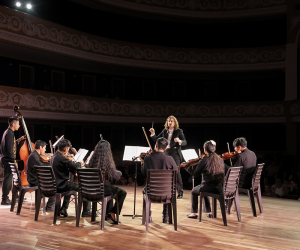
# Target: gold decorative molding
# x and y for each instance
(17, 28)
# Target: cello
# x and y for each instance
(26, 149)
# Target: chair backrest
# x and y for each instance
(16, 175)
(231, 181)
(47, 181)
(256, 176)
(91, 185)
(161, 185)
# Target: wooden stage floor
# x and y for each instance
(277, 228)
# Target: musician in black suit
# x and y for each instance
(62, 167)
(103, 159)
(247, 159)
(34, 159)
(212, 168)
(176, 139)
(159, 161)
(8, 155)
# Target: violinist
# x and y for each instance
(176, 139)
(212, 169)
(159, 161)
(35, 159)
(62, 166)
(8, 155)
(247, 159)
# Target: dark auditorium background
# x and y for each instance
(84, 68)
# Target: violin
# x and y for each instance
(45, 157)
(143, 155)
(192, 162)
(227, 155)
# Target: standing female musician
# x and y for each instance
(212, 169)
(103, 159)
(176, 139)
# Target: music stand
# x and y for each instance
(130, 153)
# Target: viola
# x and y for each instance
(227, 155)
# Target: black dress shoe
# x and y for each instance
(63, 212)
(5, 202)
(192, 216)
(88, 214)
(180, 196)
(109, 217)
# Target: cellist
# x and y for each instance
(8, 155)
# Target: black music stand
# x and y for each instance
(134, 202)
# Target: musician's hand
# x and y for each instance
(177, 140)
(21, 138)
(152, 131)
(74, 150)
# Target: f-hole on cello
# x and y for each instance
(26, 149)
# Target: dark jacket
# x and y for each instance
(7, 146)
(158, 160)
(203, 168)
(34, 159)
(247, 159)
(173, 145)
(62, 167)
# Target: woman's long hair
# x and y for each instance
(176, 126)
(103, 159)
(216, 167)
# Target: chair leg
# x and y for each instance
(103, 212)
(57, 207)
(259, 201)
(38, 197)
(237, 205)
(229, 202)
(223, 210)
(200, 207)
(14, 198)
(144, 211)
(252, 202)
(76, 201)
(170, 212)
(78, 210)
(117, 204)
(94, 209)
(174, 205)
(20, 202)
(214, 207)
(147, 212)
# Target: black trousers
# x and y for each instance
(118, 194)
(176, 158)
(204, 187)
(73, 186)
(7, 181)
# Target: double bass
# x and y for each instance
(26, 149)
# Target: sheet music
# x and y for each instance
(133, 151)
(54, 145)
(80, 154)
(89, 158)
(189, 154)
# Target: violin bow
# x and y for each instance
(229, 152)
(147, 138)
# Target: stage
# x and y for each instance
(277, 228)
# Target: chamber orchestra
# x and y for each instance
(166, 155)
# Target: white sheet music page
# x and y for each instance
(189, 154)
(133, 151)
(89, 158)
(80, 154)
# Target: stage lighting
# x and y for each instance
(18, 4)
(28, 6)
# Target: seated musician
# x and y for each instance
(62, 166)
(247, 159)
(159, 160)
(103, 159)
(35, 159)
(212, 169)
